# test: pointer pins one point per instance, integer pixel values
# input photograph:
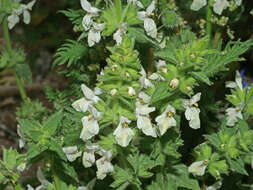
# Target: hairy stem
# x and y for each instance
(9, 49)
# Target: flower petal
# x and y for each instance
(150, 8)
(198, 4)
(85, 5)
(219, 6)
(12, 20)
(81, 105)
(198, 168)
(88, 159)
(150, 27)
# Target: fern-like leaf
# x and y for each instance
(231, 54)
(69, 53)
(75, 16)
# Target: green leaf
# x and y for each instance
(35, 150)
(70, 52)
(160, 93)
(122, 178)
(31, 129)
(180, 177)
(214, 140)
(52, 123)
(249, 94)
(168, 55)
(139, 35)
(56, 147)
(201, 77)
(141, 164)
(24, 71)
(69, 170)
(250, 108)
(75, 16)
(237, 166)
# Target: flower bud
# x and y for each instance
(174, 83)
(113, 92)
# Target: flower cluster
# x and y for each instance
(94, 29)
(13, 19)
(218, 7)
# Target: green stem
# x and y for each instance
(217, 37)
(18, 187)
(208, 20)
(9, 49)
(57, 182)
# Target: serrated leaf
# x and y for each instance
(54, 146)
(34, 150)
(52, 123)
(160, 93)
(24, 71)
(141, 37)
(182, 179)
(31, 129)
(201, 77)
(122, 178)
(237, 166)
(214, 140)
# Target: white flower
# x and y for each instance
(88, 159)
(89, 155)
(89, 186)
(123, 134)
(145, 83)
(166, 119)
(233, 115)
(136, 2)
(117, 36)
(94, 35)
(156, 76)
(72, 153)
(142, 114)
(192, 111)
(21, 141)
(174, 83)
(91, 12)
(149, 24)
(89, 99)
(103, 164)
(198, 4)
(219, 6)
(90, 124)
(160, 64)
(198, 168)
(144, 98)
(215, 186)
(13, 19)
(131, 91)
(103, 167)
(237, 83)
